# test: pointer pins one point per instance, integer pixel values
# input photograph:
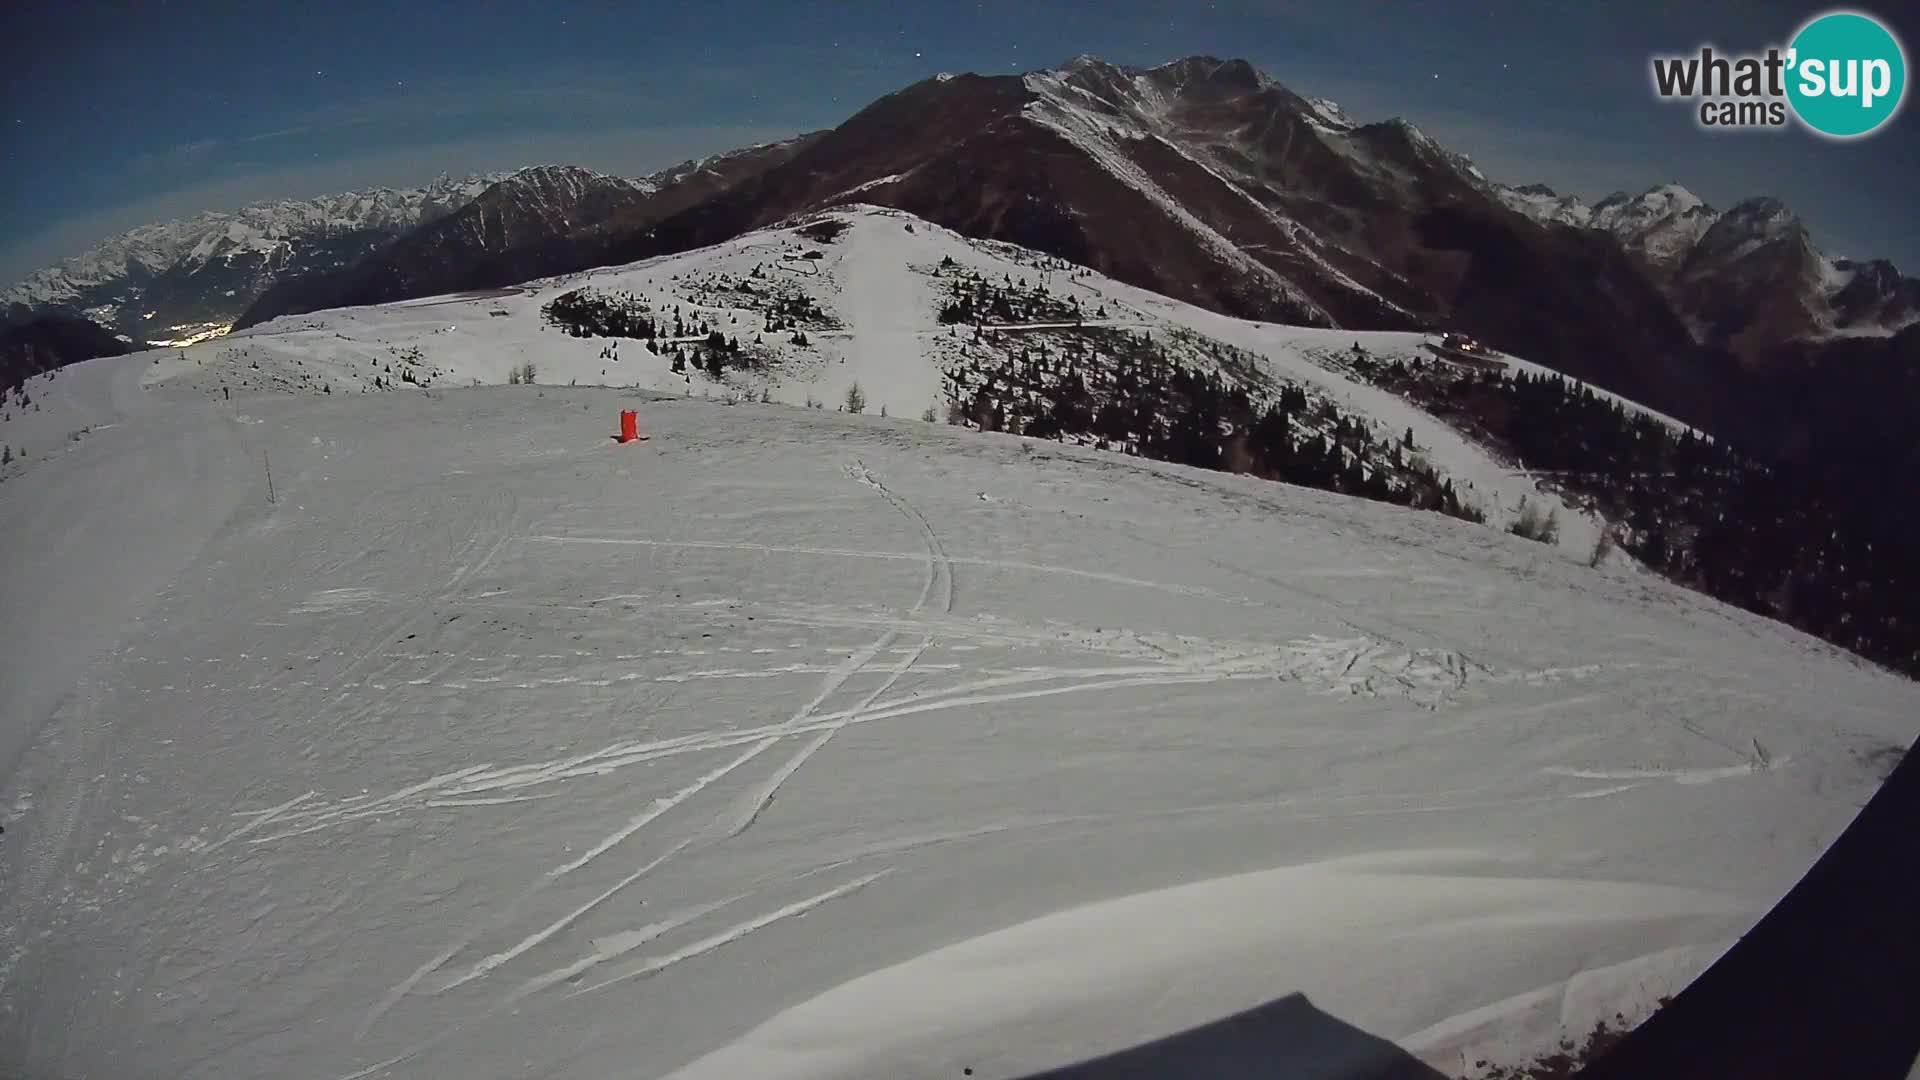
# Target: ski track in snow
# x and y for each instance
(612, 947)
(1352, 666)
(907, 556)
(658, 808)
(936, 598)
(734, 933)
(260, 820)
(753, 804)
(520, 947)
(940, 573)
(1678, 776)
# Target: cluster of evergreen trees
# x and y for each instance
(1139, 399)
(414, 370)
(20, 397)
(589, 313)
(975, 300)
(713, 356)
(1788, 542)
(785, 307)
(825, 231)
(794, 311)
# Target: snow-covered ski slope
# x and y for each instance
(879, 283)
(790, 743)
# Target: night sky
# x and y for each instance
(116, 115)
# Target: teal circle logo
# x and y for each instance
(1846, 74)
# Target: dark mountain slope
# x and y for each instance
(551, 216)
(50, 342)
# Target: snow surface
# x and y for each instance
(93, 551)
(1061, 976)
(792, 743)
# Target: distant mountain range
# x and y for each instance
(181, 278)
(1202, 179)
(1747, 279)
(185, 280)
(513, 231)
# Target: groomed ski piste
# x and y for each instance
(796, 743)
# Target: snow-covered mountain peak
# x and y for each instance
(1664, 201)
(1545, 205)
(1411, 131)
(1759, 225)
(1087, 62)
(570, 183)
(1093, 96)
(1674, 196)
(573, 174)
(1115, 123)
(1399, 145)
(1763, 214)
(1662, 224)
(676, 173)
(1329, 112)
(1147, 89)
(1229, 73)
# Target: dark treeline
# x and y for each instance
(785, 307)
(1136, 398)
(1786, 541)
(978, 300)
(48, 343)
(688, 343)
(794, 312)
(587, 313)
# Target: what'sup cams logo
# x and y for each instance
(1842, 75)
